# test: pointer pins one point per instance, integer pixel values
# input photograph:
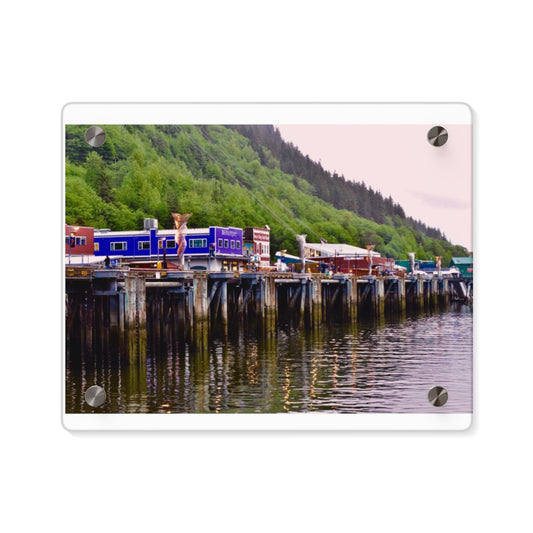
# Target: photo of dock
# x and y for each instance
(219, 269)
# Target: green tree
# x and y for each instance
(97, 176)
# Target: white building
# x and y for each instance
(337, 250)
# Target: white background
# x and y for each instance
(57, 52)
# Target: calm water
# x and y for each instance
(384, 366)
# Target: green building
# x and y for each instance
(465, 266)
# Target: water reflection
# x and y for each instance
(385, 366)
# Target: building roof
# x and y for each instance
(463, 260)
(292, 258)
(339, 250)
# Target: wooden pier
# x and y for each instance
(124, 309)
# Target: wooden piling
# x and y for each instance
(352, 298)
(402, 303)
(224, 306)
(135, 289)
(270, 308)
(316, 302)
(303, 290)
(200, 312)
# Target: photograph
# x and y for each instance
(268, 268)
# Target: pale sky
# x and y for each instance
(432, 184)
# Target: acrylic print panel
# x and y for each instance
(268, 266)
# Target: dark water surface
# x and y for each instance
(384, 366)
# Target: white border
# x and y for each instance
(255, 113)
(267, 113)
(267, 421)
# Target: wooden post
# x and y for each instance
(301, 320)
(135, 289)
(121, 320)
(88, 323)
(352, 297)
(270, 318)
(201, 310)
(434, 292)
(402, 304)
(190, 311)
(316, 285)
(345, 300)
(224, 306)
(419, 293)
(379, 297)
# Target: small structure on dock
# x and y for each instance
(465, 265)
(349, 259)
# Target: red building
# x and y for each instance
(348, 259)
(257, 242)
(79, 240)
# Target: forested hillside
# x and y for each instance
(225, 178)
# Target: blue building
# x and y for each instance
(211, 248)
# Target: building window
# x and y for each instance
(198, 243)
(220, 244)
(81, 241)
(232, 244)
(96, 246)
(226, 243)
(118, 246)
(171, 243)
(238, 245)
(143, 245)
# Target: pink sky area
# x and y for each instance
(432, 184)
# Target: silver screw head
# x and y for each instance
(95, 136)
(95, 396)
(437, 136)
(438, 396)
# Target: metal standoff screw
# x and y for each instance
(95, 396)
(95, 136)
(437, 136)
(438, 396)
